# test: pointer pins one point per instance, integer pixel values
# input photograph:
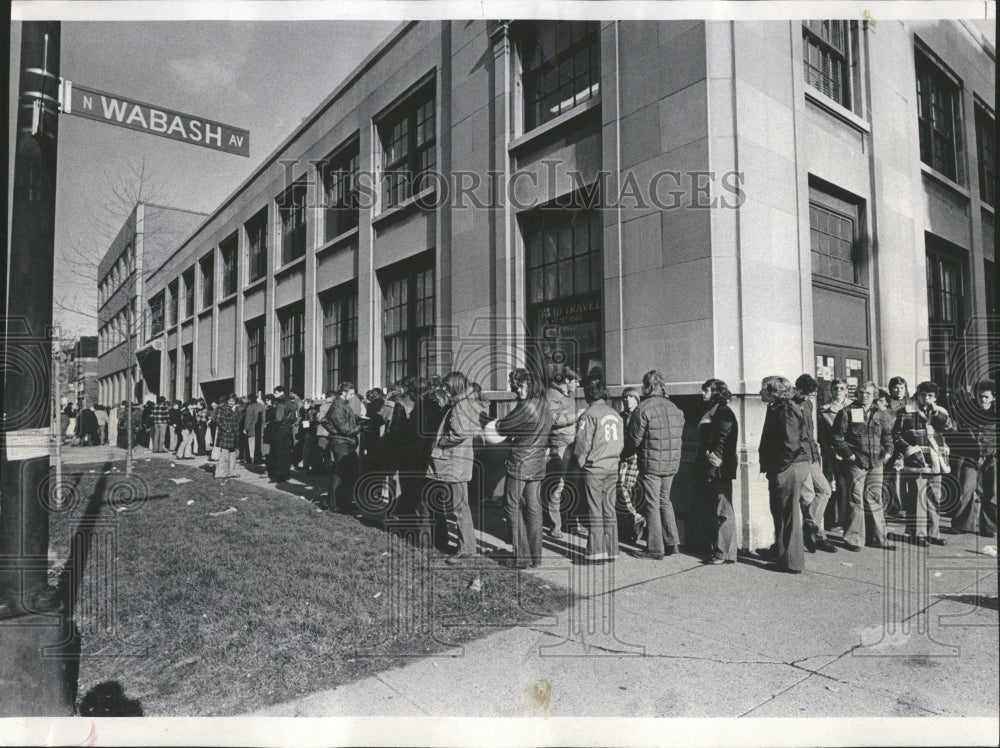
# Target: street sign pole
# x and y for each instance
(31, 684)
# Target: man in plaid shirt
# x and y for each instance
(922, 456)
(227, 439)
(161, 416)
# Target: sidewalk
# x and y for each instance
(907, 633)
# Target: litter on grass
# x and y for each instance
(476, 585)
(845, 563)
(244, 498)
(180, 481)
(377, 595)
(190, 502)
(230, 510)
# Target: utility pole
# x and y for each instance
(31, 684)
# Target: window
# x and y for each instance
(256, 229)
(340, 338)
(292, 213)
(408, 320)
(833, 237)
(340, 189)
(156, 307)
(187, 353)
(945, 305)
(829, 56)
(255, 357)
(229, 248)
(172, 291)
(293, 359)
(986, 149)
(188, 279)
(207, 281)
(939, 119)
(172, 369)
(565, 278)
(561, 67)
(408, 147)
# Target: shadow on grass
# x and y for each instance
(108, 699)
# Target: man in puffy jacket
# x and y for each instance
(342, 436)
(559, 397)
(654, 434)
(598, 447)
(527, 428)
(862, 436)
(451, 460)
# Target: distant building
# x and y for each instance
(83, 374)
(147, 237)
(709, 198)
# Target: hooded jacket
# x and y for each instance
(452, 454)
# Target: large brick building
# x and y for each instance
(710, 198)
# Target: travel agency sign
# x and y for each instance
(155, 120)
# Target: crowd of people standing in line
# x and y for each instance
(847, 466)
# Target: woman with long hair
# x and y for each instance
(527, 429)
(785, 462)
(628, 470)
(715, 470)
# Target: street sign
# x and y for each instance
(155, 120)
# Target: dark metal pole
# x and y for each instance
(29, 683)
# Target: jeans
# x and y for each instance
(785, 490)
(815, 495)
(865, 493)
(342, 481)
(523, 507)
(659, 512)
(602, 523)
(924, 494)
(226, 465)
(159, 437)
(556, 469)
(186, 447)
(979, 486)
(718, 498)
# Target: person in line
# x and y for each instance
(174, 421)
(101, 411)
(654, 434)
(285, 416)
(451, 461)
(597, 448)
(834, 469)
(161, 420)
(921, 459)
(227, 423)
(715, 470)
(628, 471)
(141, 415)
(786, 465)
(111, 437)
(124, 416)
(267, 433)
(253, 421)
(189, 426)
(202, 445)
(863, 438)
(975, 446)
(527, 428)
(307, 434)
(342, 434)
(816, 491)
(899, 398)
(561, 401)
(87, 425)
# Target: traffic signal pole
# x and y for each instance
(34, 624)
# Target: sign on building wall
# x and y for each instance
(135, 115)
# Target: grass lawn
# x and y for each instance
(185, 613)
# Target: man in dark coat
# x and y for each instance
(654, 434)
(86, 425)
(975, 446)
(342, 436)
(286, 410)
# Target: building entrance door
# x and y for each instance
(839, 362)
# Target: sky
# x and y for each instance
(260, 76)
